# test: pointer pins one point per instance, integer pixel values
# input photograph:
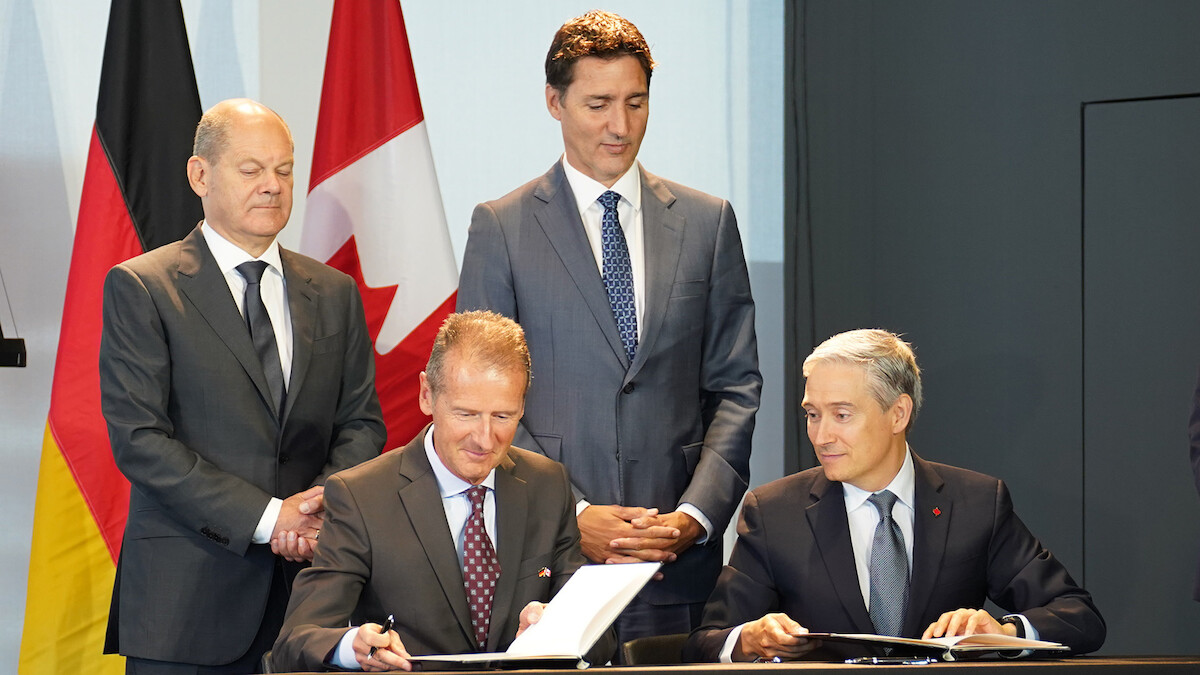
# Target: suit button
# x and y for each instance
(628, 388)
(283, 459)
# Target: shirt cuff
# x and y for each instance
(343, 654)
(700, 518)
(726, 655)
(1029, 633)
(266, 524)
(580, 506)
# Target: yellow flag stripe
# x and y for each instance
(70, 579)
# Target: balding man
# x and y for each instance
(235, 377)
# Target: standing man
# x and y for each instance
(235, 377)
(403, 527)
(635, 300)
(878, 540)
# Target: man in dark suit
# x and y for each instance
(634, 296)
(235, 377)
(399, 528)
(830, 549)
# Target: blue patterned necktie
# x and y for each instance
(261, 331)
(481, 569)
(618, 273)
(888, 569)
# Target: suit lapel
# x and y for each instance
(930, 531)
(558, 216)
(302, 305)
(831, 529)
(423, 503)
(663, 241)
(512, 501)
(202, 282)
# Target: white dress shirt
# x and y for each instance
(273, 289)
(629, 210)
(458, 510)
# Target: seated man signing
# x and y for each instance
(878, 540)
(400, 528)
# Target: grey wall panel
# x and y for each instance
(1141, 230)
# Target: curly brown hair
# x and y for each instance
(596, 33)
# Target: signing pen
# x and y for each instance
(387, 625)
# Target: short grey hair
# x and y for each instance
(889, 361)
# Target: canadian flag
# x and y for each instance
(374, 208)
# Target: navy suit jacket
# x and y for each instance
(794, 555)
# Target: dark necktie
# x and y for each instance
(889, 570)
(261, 331)
(481, 569)
(618, 272)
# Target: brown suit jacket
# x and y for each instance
(386, 549)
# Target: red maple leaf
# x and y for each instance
(396, 372)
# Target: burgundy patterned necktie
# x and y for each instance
(481, 569)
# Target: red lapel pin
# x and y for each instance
(937, 511)
(544, 573)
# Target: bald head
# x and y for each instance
(212, 134)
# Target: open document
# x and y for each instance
(575, 618)
(946, 648)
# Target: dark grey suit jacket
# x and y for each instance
(193, 429)
(794, 555)
(1194, 435)
(675, 425)
(386, 549)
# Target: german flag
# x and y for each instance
(135, 198)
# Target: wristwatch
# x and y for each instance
(1016, 621)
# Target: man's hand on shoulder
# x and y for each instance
(298, 526)
(602, 526)
(967, 622)
(771, 636)
(389, 652)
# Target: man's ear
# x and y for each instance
(554, 102)
(425, 398)
(901, 413)
(198, 174)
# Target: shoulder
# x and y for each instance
(789, 489)
(533, 466)
(681, 195)
(369, 475)
(161, 260)
(956, 476)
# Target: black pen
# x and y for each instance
(387, 625)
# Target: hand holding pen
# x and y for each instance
(379, 648)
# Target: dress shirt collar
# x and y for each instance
(229, 255)
(449, 484)
(903, 486)
(587, 190)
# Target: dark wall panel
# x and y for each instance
(1141, 226)
(942, 144)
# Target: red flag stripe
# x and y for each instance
(105, 236)
(369, 78)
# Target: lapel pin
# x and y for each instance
(937, 511)
(544, 573)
